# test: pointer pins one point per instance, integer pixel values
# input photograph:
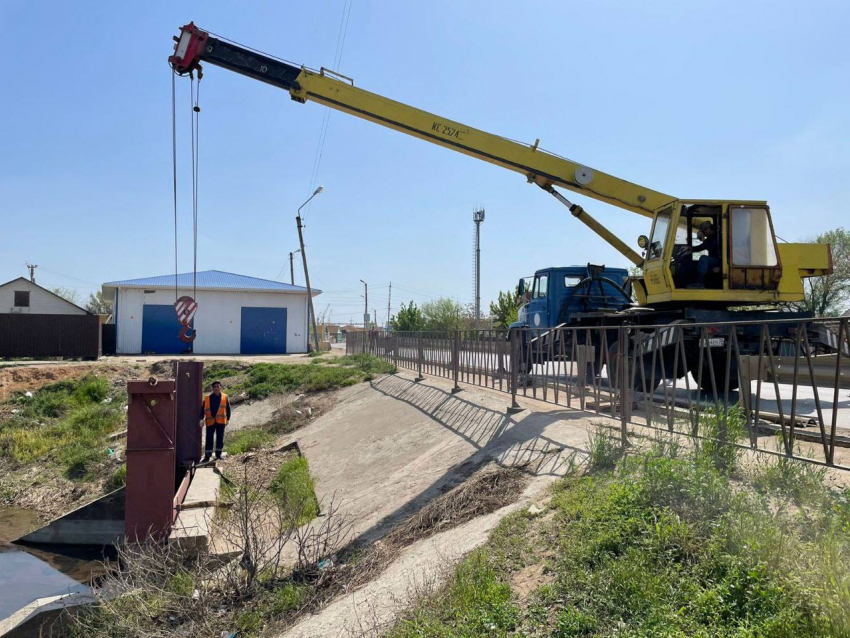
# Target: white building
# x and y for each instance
(21, 296)
(236, 314)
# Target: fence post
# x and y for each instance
(455, 361)
(395, 341)
(514, 363)
(625, 390)
(419, 376)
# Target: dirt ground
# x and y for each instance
(49, 494)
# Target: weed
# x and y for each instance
(475, 602)
(243, 441)
(294, 486)
(604, 449)
(118, 479)
(720, 432)
(785, 476)
(288, 598)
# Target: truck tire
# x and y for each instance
(718, 362)
(636, 379)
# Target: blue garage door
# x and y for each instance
(161, 331)
(263, 331)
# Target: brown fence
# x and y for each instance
(37, 336)
(772, 386)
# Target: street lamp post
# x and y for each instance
(292, 266)
(307, 272)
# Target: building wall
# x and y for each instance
(218, 320)
(42, 302)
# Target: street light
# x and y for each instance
(307, 272)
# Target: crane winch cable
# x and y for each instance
(186, 306)
(195, 95)
(174, 168)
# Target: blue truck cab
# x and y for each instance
(572, 295)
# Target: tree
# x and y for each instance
(98, 304)
(409, 318)
(68, 294)
(504, 310)
(828, 296)
(443, 314)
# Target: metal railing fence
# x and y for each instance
(770, 386)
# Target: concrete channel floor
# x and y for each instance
(390, 447)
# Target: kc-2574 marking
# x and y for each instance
(448, 131)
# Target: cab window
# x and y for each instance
(571, 281)
(752, 238)
(541, 283)
(659, 235)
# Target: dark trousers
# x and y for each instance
(218, 431)
(704, 266)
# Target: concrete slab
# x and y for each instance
(191, 530)
(204, 489)
(100, 522)
(29, 621)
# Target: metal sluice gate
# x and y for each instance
(782, 383)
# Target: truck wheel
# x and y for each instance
(718, 361)
(635, 375)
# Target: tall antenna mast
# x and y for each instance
(478, 219)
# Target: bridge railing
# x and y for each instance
(774, 386)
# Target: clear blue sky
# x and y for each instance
(697, 99)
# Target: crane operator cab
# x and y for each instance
(698, 247)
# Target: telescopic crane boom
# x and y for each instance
(752, 268)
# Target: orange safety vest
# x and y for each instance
(220, 416)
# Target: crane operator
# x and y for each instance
(709, 245)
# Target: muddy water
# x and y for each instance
(28, 573)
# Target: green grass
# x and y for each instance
(220, 370)
(294, 486)
(660, 545)
(64, 423)
(243, 441)
(264, 379)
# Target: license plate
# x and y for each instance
(715, 342)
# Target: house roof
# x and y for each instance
(49, 292)
(210, 280)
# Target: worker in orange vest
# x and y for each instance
(216, 414)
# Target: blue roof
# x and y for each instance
(210, 280)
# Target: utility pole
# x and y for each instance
(292, 266)
(375, 317)
(365, 303)
(32, 268)
(307, 272)
(389, 301)
(478, 218)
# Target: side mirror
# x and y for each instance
(521, 287)
(643, 242)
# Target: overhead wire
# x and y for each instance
(342, 32)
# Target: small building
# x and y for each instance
(22, 296)
(236, 314)
(35, 322)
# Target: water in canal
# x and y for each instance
(28, 573)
